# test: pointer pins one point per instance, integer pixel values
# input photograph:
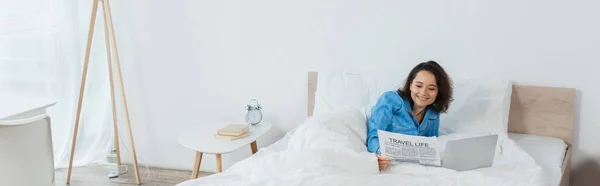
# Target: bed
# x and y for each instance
(535, 111)
(328, 149)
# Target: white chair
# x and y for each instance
(26, 155)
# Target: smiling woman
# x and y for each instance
(437, 91)
(413, 109)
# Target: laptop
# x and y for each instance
(470, 153)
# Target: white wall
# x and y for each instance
(197, 63)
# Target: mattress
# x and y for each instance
(548, 152)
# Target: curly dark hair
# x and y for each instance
(443, 81)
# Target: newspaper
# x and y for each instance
(407, 148)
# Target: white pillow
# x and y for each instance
(548, 151)
(359, 91)
(480, 106)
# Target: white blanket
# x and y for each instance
(330, 150)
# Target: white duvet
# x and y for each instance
(330, 150)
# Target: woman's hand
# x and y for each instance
(383, 161)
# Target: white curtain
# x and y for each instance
(42, 47)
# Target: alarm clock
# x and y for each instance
(253, 112)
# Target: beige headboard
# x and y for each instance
(545, 111)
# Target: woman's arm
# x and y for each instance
(381, 118)
(435, 128)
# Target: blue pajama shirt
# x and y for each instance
(392, 113)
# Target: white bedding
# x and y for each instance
(547, 152)
(329, 150)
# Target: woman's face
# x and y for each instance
(423, 89)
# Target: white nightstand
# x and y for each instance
(205, 142)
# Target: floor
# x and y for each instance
(96, 175)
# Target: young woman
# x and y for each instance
(413, 109)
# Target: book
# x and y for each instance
(233, 130)
(230, 138)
